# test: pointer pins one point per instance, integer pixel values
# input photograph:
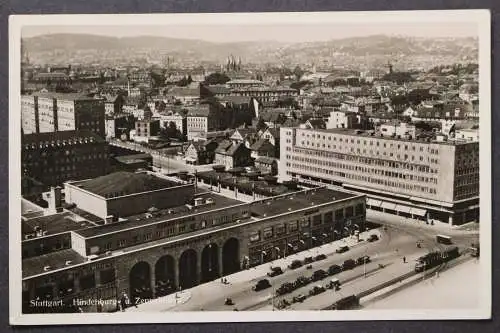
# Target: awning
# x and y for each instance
(373, 202)
(388, 205)
(403, 208)
(418, 211)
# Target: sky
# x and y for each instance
(282, 32)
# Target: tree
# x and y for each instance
(216, 78)
(160, 106)
(298, 72)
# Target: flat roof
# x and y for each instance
(54, 224)
(56, 260)
(297, 201)
(367, 134)
(161, 215)
(124, 183)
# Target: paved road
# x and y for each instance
(389, 250)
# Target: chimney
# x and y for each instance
(54, 199)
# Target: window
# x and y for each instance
(148, 236)
(122, 242)
(292, 226)
(339, 214)
(255, 236)
(304, 223)
(268, 233)
(316, 220)
(360, 209)
(280, 229)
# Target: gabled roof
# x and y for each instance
(229, 148)
(275, 132)
(261, 144)
(317, 123)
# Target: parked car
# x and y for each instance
(363, 260)
(295, 264)
(308, 260)
(275, 271)
(299, 298)
(262, 284)
(333, 284)
(342, 249)
(372, 238)
(316, 290)
(334, 269)
(320, 257)
(319, 275)
(285, 288)
(348, 264)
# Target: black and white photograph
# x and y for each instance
(250, 167)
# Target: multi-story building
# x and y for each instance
(201, 120)
(180, 121)
(53, 158)
(52, 112)
(428, 179)
(266, 94)
(153, 253)
(146, 128)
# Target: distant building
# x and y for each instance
(397, 129)
(202, 119)
(262, 147)
(267, 165)
(184, 95)
(341, 119)
(179, 121)
(201, 152)
(118, 125)
(53, 158)
(232, 155)
(146, 129)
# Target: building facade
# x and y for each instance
(182, 248)
(53, 158)
(433, 180)
(52, 112)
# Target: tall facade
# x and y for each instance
(52, 112)
(439, 180)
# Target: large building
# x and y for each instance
(53, 158)
(53, 112)
(74, 254)
(428, 179)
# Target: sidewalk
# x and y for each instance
(438, 227)
(446, 291)
(258, 271)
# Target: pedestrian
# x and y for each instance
(404, 260)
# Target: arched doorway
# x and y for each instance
(165, 276)
(231, 256)
(140, 281)
(210, 263)
(188, 277)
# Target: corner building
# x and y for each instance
(429, 180)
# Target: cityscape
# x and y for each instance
(163, 173)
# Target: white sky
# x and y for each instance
(280, 32)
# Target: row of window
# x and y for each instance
(384, 182)
(386, 173)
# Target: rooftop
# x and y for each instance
(124, 183)
(53, 260)
(63, 138)
(372, 133)
(66, 96)
(296, 201)
(163, 215)
(54, 224)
